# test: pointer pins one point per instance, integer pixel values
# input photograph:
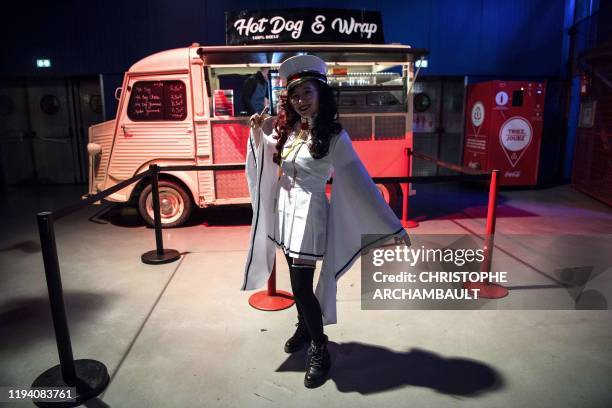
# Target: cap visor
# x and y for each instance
(296, 82)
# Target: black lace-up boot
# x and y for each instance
(318, 364)
(299, 338)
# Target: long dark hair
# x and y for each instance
(326, 123)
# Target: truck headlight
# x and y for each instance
(93, 149)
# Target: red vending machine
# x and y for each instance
(504, 129)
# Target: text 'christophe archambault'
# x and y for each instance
(413, 256)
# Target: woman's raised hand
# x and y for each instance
(257, 119)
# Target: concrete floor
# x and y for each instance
(183, 334)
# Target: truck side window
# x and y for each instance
(157, 100)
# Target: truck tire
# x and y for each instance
(175, 204)
(391, 193)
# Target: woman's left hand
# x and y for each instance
(257, 119)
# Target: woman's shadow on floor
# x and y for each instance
(369, 369)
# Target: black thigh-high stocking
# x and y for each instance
(307, 303)
(290, 264)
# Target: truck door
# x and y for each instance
(201, 119)
(155, 123)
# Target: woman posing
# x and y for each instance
(287, 169)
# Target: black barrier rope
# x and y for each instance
(90, 377)
(204, 167)
(431, 179)
(62, 212)
(450, 166)
(486, 289)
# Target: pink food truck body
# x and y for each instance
(182, 107)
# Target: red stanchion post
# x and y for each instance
(271, 299)
(491, 220)
(406, 223)
(272, 282)
(489, 290)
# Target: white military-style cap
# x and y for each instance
(300, 68)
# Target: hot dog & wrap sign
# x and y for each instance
(303, 25)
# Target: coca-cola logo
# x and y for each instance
(512, 174)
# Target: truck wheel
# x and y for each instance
(391, 194)
(175, 204)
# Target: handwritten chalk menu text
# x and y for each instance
(158, 100)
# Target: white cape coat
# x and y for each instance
(356, 208)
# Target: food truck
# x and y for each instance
(182, 107)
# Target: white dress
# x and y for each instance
(356, 207)
(302, 207)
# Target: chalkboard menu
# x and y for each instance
(158, 100)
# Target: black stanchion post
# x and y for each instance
(56, 298)
(90, 377)
(156, 210)
(159, 255)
